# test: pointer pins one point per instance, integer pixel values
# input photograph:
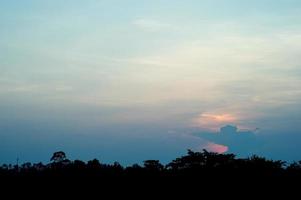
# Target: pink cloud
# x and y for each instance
(217, 148)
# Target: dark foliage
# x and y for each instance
(193, 163)
(195, 171)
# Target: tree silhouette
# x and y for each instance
(295, 166)
(153, 165)
(58, 157)
(205, 166)
(192, 160)
(94, 164)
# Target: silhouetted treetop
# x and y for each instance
(203, 164)
(153, 165)
(58, 157)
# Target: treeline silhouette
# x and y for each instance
(194, 174)
(204, 164)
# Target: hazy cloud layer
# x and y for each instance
(104, 67)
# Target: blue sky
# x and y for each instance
(128, 80)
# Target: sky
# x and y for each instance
(148, 79)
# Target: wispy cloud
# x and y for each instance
(19, 87)
(151, 25)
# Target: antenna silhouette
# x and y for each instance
(17, 163)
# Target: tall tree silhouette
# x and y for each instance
(58, 157)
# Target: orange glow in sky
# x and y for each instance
(215, 121)
(219, 118)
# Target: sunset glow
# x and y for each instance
(114, 78)
(217, 148)
(214, 121)
(223, 118)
